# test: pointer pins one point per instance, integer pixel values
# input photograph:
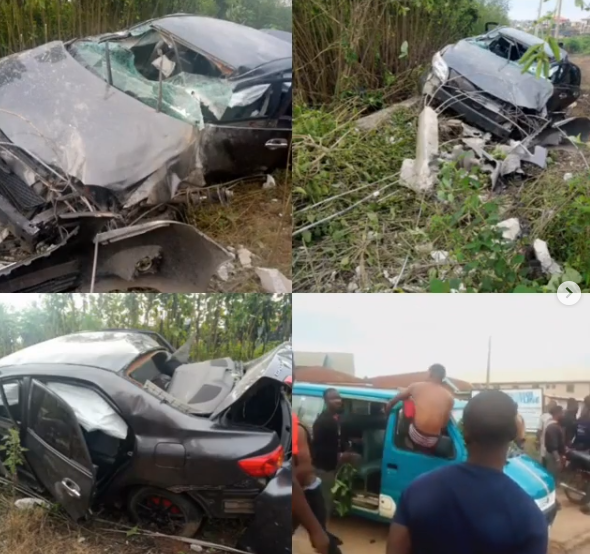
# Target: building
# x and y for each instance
(339, 361)
(326, 376)
(553, 389)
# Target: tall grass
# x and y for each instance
(346, 47)
(27, 23)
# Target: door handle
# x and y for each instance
(392, 466)
(72, 489)
(277, 144)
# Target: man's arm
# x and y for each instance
(303, 464)
(399, 540)
(303, 514)
(535, 539)
(404, 395)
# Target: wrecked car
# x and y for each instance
(118, 418)
(97, 131)
(480, 79)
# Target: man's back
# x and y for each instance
(469, 509)
(434, 404)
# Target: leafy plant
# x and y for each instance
(14, 453)
(342, 489)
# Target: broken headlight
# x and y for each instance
(440, 67)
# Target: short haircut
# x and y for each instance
(489, 419)
(328, 391)
(555, 410)
(438, 370)
(572, 403)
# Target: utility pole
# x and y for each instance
(558, 18)
(489, 368)
(537, 25)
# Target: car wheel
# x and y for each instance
(164, 512)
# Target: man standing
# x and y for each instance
(433, 407)
(472, 507)
(569, 420)
(545, 417)
(553, 445)
(326, 447)
(520, 431)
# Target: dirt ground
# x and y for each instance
(570, 534)
(257, 218)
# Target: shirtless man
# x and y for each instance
(433, 407)
(520, 431)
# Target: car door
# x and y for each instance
(566, 85)
(57, 451)
(401, 466)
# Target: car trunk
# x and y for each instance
(250, 395)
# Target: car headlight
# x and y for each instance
(440, 67)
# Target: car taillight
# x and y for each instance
(263, 466)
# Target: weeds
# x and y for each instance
(14, 457)
(398, 240)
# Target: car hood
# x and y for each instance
(276, 366)
(70, 119)
(497, 76)
(532, 477)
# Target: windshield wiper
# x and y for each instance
(107, 54)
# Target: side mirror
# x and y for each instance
(490, 25)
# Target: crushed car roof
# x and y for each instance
(92, 132)
(526, 38)
(236, 45)
(110, 350)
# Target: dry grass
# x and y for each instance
(258, 219)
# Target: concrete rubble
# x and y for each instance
(548, 265)
(273, 280)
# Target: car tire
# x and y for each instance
(140, 500)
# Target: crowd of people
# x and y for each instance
(471, 507)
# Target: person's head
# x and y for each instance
(556, 412)
(489, 426)
(437, 373)
(550, 406)
(572, 405)
(333, 400)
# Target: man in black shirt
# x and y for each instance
(327, 448)
(569, 420)
(553, 444)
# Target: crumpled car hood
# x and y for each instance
(497, 76)
(72, 120)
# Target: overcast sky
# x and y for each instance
(529, 9)
(534, 337)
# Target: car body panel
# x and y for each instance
(283, 35)
(70, 483)
(90, 131)
(400, 467)
(247, 49)
(112, 350)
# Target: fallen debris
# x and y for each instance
(273, 280)
(548, 265)
(270, 183)
(417, 174)
(375, 120)
(510, 229)
(440, 256)
(225, 271)
(245, 257)
(29, 503)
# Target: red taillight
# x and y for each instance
(263, 466)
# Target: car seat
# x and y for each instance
(373, 441)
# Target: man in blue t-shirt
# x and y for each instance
(472, 507)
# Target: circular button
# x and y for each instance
(569, 293)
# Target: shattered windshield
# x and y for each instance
(193, 88)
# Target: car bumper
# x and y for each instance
(270, 530)
(469, 109)
(550, 514)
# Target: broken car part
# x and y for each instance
(206, 439)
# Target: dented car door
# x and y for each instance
(566, 85)
(57, 451)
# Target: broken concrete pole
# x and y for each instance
(510, 229)
(417, 174)
(549, 266)
(370, 122)
(273, 280)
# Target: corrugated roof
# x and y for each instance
(403, 380)
(323, 375)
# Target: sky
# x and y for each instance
(529, 9)
(534, 337)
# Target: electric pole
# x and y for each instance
(489, 368)
(557, 18)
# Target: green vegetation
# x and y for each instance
(241, 326)
(27, 23)
(577, 45)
